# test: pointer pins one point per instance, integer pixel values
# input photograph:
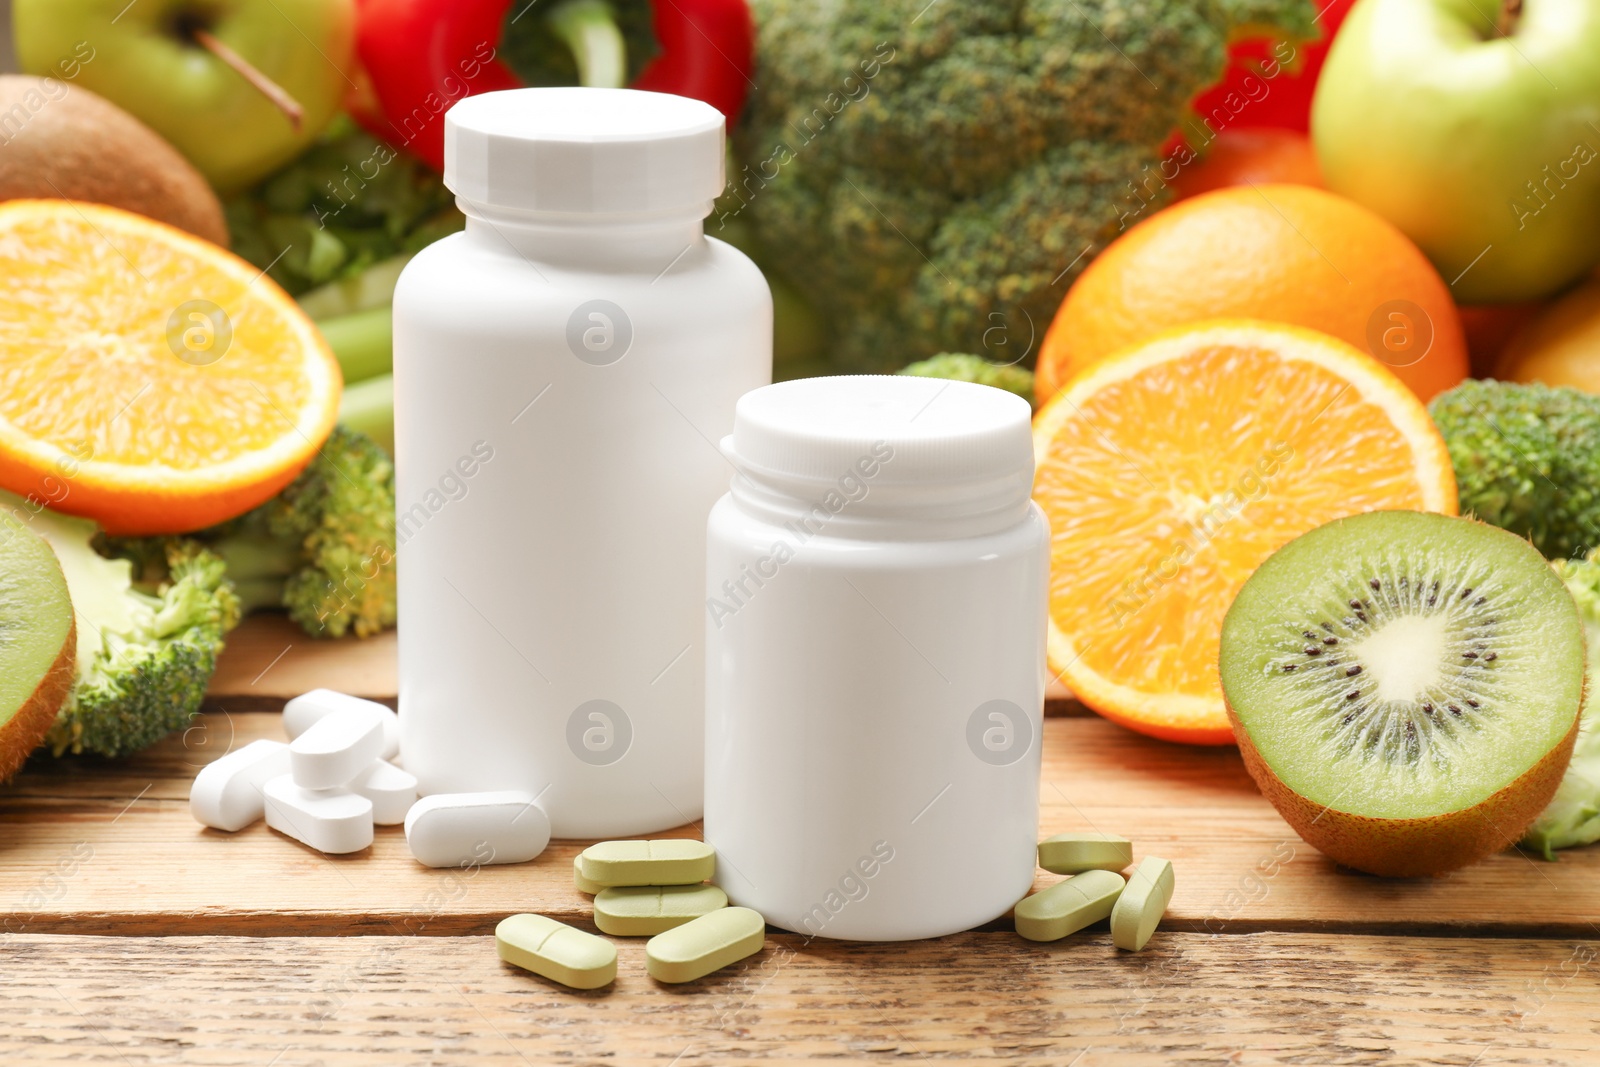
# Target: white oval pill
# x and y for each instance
(305, 710)
(226, 794)
(464, 829)
(331, 821)
(391, 790)
(336, 748)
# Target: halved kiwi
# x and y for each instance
(38, 642)
(1405, 687)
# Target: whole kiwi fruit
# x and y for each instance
(64, 142)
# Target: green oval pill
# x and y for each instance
(583, 884)
(674, 861)
(646, 910)
(556, 951)
(1067, 907)
(1075, 853)
(1142, 904)
(706, 944)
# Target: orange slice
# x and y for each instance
(1172, 470)
(149, 380)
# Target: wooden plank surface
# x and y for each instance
(1188, 998)
(135, 936)
(1239, 867)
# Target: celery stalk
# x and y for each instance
(368, 407)
(372, 288)
(363, 343)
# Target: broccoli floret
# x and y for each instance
(1527, 458)
(962, 367)
(148, 634)
(929, 174)
(323, 549)
(303, 226)
(1573, 816)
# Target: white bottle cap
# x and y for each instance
(585, 151)
(939, 432)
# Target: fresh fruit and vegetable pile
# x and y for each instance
(1304, 297)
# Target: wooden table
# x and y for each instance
(137, 937)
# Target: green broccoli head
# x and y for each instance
(324, 548)
(964, 367)
(932, 176)
(1573, 816)
(1527, 458)
(149, 631)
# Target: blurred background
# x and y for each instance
(8, 59)
(943, 189)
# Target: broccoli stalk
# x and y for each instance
(1573, 816)
(323, 549)
(1527, 459)
(149, 632)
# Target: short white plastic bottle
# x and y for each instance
(876, 599)
(563, 369)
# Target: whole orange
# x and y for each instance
(1284, 253)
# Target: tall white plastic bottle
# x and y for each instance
(564, 369)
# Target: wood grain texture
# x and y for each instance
(110, 847)
(1188, 998)
(269, 659)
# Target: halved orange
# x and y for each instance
(149, 380)
(1172, 470)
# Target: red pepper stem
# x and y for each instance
(589, 28)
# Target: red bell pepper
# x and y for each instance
(1283, 101)
(424, 55)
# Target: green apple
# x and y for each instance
(145, 57)
(1473, 126)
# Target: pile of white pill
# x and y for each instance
(327, 787)
(337, 778)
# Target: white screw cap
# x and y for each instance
(580, 151)
(938, 432)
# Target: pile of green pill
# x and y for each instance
(1095, 891)
(654, 889)
(660, 890)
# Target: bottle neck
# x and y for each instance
(592, 242)
(859, 508)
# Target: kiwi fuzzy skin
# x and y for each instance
(78, 145)
(1410, 848)
(22, 733)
